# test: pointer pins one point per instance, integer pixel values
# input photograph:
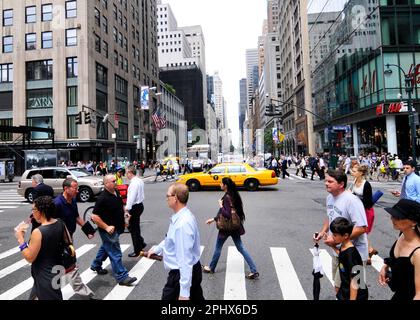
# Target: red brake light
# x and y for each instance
(273, 174)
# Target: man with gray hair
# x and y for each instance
(39, 189)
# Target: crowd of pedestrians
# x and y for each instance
(349, 220)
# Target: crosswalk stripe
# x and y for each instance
(1, 211)
(377, 262)
(326, 262)
(24, 286)
(9, 252)
(88, 275)
(235, 276)
(12, 268)
(300, 178)
(14, 203)
(286, 274)
(7, 207)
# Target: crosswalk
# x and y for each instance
(10, 199)
(284, 272)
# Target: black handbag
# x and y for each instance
(68, 253)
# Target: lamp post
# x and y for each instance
(408, 78)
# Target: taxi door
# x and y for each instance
(215, 176)
(237, 173)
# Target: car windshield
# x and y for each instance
(80, 172)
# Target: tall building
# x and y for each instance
(182, 49)
(295, 77)
(242, 104)
(251, 73)
(321, 28)
(272, 15)
(219, 105)
(59, 56)
(364, 101)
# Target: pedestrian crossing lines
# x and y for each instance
(10, 199)
(291, 285)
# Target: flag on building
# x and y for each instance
(159, 120)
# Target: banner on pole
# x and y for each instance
(144, 98)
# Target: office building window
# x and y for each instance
(47, 40)
(72, 71)
(39, 98)
(105, 48)
(97, 17)
(7, 44)
(30, 41)
(39, 70)
(71, 37)
(47, 12)
(116, 58)
(101, 74)
(6, 72)
(121, 86)
(7, 17)
(6, 136)
(105, 24)
(122, 133)
(72, 97)
(72, 131)
(41, 122)
(30, 14)
(101, 101)
(6, 101)
(97, 43)
(71, 9)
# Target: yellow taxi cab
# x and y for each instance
(241, 173)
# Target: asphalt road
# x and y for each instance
(280, 221)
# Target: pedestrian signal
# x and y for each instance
(78, 118)
(87, 118)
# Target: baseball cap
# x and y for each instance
(405, 209)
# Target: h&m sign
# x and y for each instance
(396, 107)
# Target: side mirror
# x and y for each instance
(209, 172)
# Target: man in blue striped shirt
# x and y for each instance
(181, 249)
(411, 184)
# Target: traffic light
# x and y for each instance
(278, 110)
(87, 118)
(269, 109)
(79, 118)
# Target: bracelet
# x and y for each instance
(23, 246)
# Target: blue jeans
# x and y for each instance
(111, 248)
(238, 243)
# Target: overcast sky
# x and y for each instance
(230, 27)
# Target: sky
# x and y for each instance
(230, 27)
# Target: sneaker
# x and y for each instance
(99, 270)
(127, 281)
(206, 269)
(252, 275)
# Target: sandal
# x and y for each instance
(206, 269)
(252, 275)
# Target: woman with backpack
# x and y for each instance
(229, 204)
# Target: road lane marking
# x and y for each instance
(289, 282)
(7, 207)
(326, 262)
(235, 288)
(9, 252)
(300, 178)
(88, 275)
(24, 286)
(14, 203)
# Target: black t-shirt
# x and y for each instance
(350, 265)
(111, 210)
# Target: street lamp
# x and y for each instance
(105, 120)
(408, 78)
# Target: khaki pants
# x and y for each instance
(73, 277)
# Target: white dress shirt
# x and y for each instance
(181, 247)
(135, 193)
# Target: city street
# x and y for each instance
(279, 224)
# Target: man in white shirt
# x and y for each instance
(181, 249)
(134, 208)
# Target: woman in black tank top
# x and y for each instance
(43, 250)
(401, 269)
